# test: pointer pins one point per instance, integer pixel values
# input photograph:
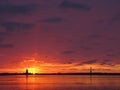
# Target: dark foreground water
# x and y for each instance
(59, 82)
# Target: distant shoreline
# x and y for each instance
(4, 74)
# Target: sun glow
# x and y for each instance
(33, 70)
(32, 64)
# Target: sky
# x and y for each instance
(60, 35)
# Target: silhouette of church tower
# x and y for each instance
(26, 72)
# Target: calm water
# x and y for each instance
(63, 82)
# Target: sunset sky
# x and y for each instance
(60, 35)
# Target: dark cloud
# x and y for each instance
(107, 62)
(3, 33)
(52, 19)
(78, 64)
(87, 62)
(6, 45)
(104, 62)
(13, 26)
(94, 36)
(69, 4)
(69, 62)
(68, 52)
(99, 62)
(115, 17)
(90, 61)
(16, 9)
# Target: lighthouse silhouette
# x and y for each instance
(90, 70)
(27, 72)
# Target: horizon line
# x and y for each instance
(95, 73)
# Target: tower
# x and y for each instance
(26, 72)
(90, 70)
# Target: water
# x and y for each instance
(59, 82)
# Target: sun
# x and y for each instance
(33, 70)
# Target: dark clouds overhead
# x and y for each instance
(52, 20)
(16, 9)
(74, 5)
(115, 17)
(16, 26)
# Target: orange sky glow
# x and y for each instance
(38, 66)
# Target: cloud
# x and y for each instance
(16, 9)
(6, 45)
(68, 52)
(115, 17)
(69, 62)
(90, 61)
(94, 36)
(107, 62)
(104, 62)
(69, 4)
(13, 26)
(4, 33)
(96, 61)
(87, 62)
(52, 19)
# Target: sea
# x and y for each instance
(59, 82)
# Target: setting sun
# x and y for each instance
(33, 70)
